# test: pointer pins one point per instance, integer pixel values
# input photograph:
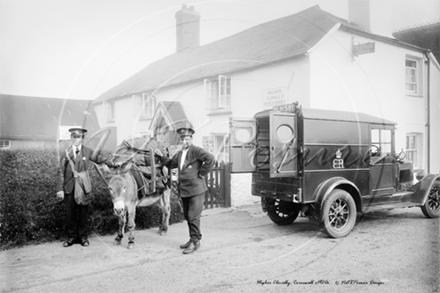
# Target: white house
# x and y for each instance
(313, 57)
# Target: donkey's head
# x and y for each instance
(120, 188)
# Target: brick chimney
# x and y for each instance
(187, 28)
(359, 13)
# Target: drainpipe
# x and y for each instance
(428, 116)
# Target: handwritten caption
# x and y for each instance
(288, 283)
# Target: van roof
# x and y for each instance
(319, 114)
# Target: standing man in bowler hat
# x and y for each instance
(77, 215)
(193, 164)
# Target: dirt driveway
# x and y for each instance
(242, 251)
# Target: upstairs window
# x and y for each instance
(412, 76)
(109, 110)
(144, 106)
(218, 93)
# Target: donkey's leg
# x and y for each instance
(166, 211)
(131, 225)
(121, 221)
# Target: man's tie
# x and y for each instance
(76, 151)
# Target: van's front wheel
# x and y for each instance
(281, 212)
(431, 208)
(339, 214)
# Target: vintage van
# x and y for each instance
(328, 166)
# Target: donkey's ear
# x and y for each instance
(106, 169)
(126, 167)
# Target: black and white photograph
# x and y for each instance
(219, 146)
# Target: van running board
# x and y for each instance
(390, 206)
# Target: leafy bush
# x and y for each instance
(30, 212)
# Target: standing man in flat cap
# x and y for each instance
(193, 164)
(77, 214)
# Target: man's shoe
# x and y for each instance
(186, 245)
(193, 246)
(69, 242)
(85, 242)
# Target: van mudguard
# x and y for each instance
(324, 189)
(421, 189)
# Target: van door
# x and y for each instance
(283, 144)
(383, 178)
(242, 144)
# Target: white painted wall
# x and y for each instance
(125, 119)
(326, 78)
(246, 99)
(372, 83)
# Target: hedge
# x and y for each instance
(30, 211)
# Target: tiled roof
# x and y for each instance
(24, 117)
(265, 43)
(269, 42)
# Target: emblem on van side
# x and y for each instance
(338, 163)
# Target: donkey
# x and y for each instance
(124, 193)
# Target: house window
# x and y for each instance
(109, 109)
(144, 106)
(218, 93)
(413, 148)
(412, 76)
(148, 106)
(5, 144)
(382, 138)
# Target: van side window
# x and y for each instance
(383, 139)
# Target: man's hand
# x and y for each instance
(158, 152)
(60, 194)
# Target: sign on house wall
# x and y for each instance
(274, 97)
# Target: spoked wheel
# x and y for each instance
(431, 208)
(339, 214)
(281, 212)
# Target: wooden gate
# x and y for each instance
(219, 186)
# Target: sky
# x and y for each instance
(80, 48)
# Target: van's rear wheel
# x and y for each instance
(339, 214)
(431, 208)
(281, 212)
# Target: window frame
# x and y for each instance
(382, 141)
(414, 154)
(148, 106)
(3, 146)
(109, 110)
(416, 75)
(217, 93)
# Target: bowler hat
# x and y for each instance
(77, 130)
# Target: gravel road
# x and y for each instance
(242, 251)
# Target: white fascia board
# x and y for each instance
(324, 38)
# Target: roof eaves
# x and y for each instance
(384, 39)
(325, 37)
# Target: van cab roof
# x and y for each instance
(319, 114)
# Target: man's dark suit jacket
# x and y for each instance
(197, 162)
(66, 182)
